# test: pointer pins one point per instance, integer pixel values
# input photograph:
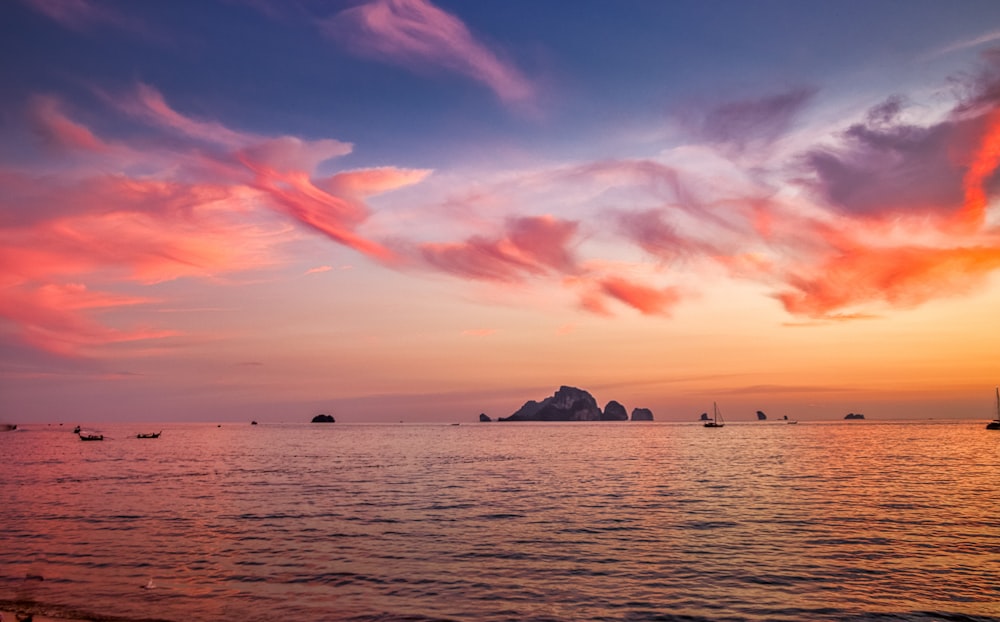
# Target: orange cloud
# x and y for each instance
(646, 300)
(902, 276)
(984, 162)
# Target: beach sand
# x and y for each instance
(12, 616)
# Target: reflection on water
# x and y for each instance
(759, 521)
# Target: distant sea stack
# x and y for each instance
(484, 418)
(571, 404)
(323, 419)
(614, 412)
(761, 416)
(642, 414)
(854, 416)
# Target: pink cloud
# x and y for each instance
(295, 194)
(371, 181)
(59, 131)
(412, 32)
(288, 154)
(49, 317)
(653, 234)
(116, 229)
(148, 104)
(164, 225)
(532, 246)
(319, 269)
(280, 168)
(84, 14)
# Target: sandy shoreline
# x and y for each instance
(20, 611)
(7, 615)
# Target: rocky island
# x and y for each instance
(572, 404)
(324, 419)
(854, 416)
(642, 414)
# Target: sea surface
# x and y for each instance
(859, 520)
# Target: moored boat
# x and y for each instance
(995, 424)
(716, 421)
(150, 435)
(91, 437)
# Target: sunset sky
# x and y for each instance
(402, 210)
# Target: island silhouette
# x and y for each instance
(573, 404)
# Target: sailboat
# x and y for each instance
(716, 421)
(995, 424)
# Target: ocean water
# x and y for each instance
(858, 520)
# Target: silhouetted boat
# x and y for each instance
(8, 427)
(150, 435)
(716, 421)
(91, 437)
(995, 424)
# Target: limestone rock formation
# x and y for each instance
(614, 412)
(323, 419)
(568, 404)
(854, 416)
(761, 416)
(642, 414)
(483, 417)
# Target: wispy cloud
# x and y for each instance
(647, 300)
(531, 246)
(966, 44)
(417, 33)
(319, 269)
(84, 15)
(886, 213)
(58, 131)
(755, 123)
(52, 317)
(166, 223)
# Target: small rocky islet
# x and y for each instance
(573, 404)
